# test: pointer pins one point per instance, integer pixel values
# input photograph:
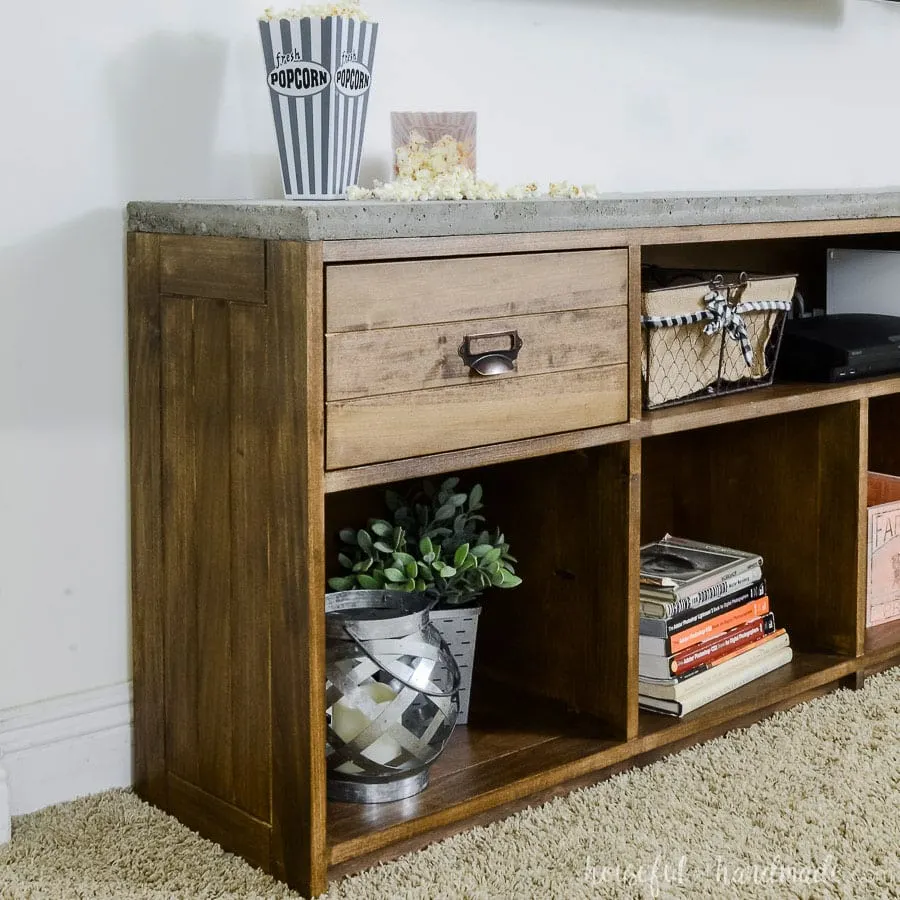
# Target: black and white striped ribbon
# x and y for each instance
(720, 316)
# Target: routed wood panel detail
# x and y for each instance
(387, 361)
(422, 292)
(214, 444)
(449, 418)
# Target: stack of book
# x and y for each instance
(706, 627)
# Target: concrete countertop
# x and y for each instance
(344, 220)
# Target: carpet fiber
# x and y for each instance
(805, 804)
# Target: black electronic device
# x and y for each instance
(838, 348)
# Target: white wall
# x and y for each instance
(104, 102)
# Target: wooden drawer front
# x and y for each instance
(423, 292)
(389, 361)
(396, 426)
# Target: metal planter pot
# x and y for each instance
(392, 694)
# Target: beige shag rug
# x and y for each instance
(805, 804)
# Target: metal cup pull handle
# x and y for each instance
(494, 361)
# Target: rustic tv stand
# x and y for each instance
(289, 360)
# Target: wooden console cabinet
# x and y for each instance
(277, 385)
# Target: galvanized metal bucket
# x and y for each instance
(392, 694)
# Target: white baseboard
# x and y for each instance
(64, 748)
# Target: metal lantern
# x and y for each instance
(392, 694)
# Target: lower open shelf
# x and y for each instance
(487, 767)
(882, 643)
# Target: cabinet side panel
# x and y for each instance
(297, 578)
(213, 542)
(250, 418)
(179, 531)
(147, 588)
(215, 489)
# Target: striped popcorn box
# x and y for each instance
(319, 73)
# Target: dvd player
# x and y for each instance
(839, 347)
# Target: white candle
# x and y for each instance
(348, 722)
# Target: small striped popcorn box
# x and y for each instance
(319, 74)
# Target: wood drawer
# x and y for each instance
(422, 292)
(390, 361)
(487, 411)
(396, 386)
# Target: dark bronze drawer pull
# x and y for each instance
(491, 362)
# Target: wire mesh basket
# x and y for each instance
(706, 334)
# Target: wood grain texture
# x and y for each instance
(762, 403)
(212, 539)
(296, 564)
(422, 292)
(635, 300)
(249, 614)
(233, 829)
(375, 429)
(542, 242)
(179, 497)
(562, 634)
(213, 267)
(147, 584)
(388, 361)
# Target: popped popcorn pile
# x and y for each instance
(349, 9)
(440, 172)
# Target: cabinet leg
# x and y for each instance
(854, 681)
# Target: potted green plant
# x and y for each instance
(433, 539)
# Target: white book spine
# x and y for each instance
(739, 678)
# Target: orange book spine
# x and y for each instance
(720, 624)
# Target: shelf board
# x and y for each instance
(882, 643)
(510, 749)
(486, 767)
(760, 402)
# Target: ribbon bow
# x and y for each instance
(725, 316)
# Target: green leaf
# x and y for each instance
(475, 496)
(460, 556)
(342, 584)
(390, 586)
(481, 550)
(458, 500)
(363, 565)
(345, 561)
(447, 511)
(510, 581)
(348, 536)
(425, 546)
(493, 555)
(394, 575)
(449, 484)
(429, 557)
(468, 563)
(399, 536)
(403, 559)
(459, 524)
(492, 567)
(381, 528)
(420, 585)
(368, 583)
(497, 579)
(410, 585)
(364, 539)
(448, 572)
(411, 569)
(382, 547)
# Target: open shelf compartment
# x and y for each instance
(788, 488)
(554, 665)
